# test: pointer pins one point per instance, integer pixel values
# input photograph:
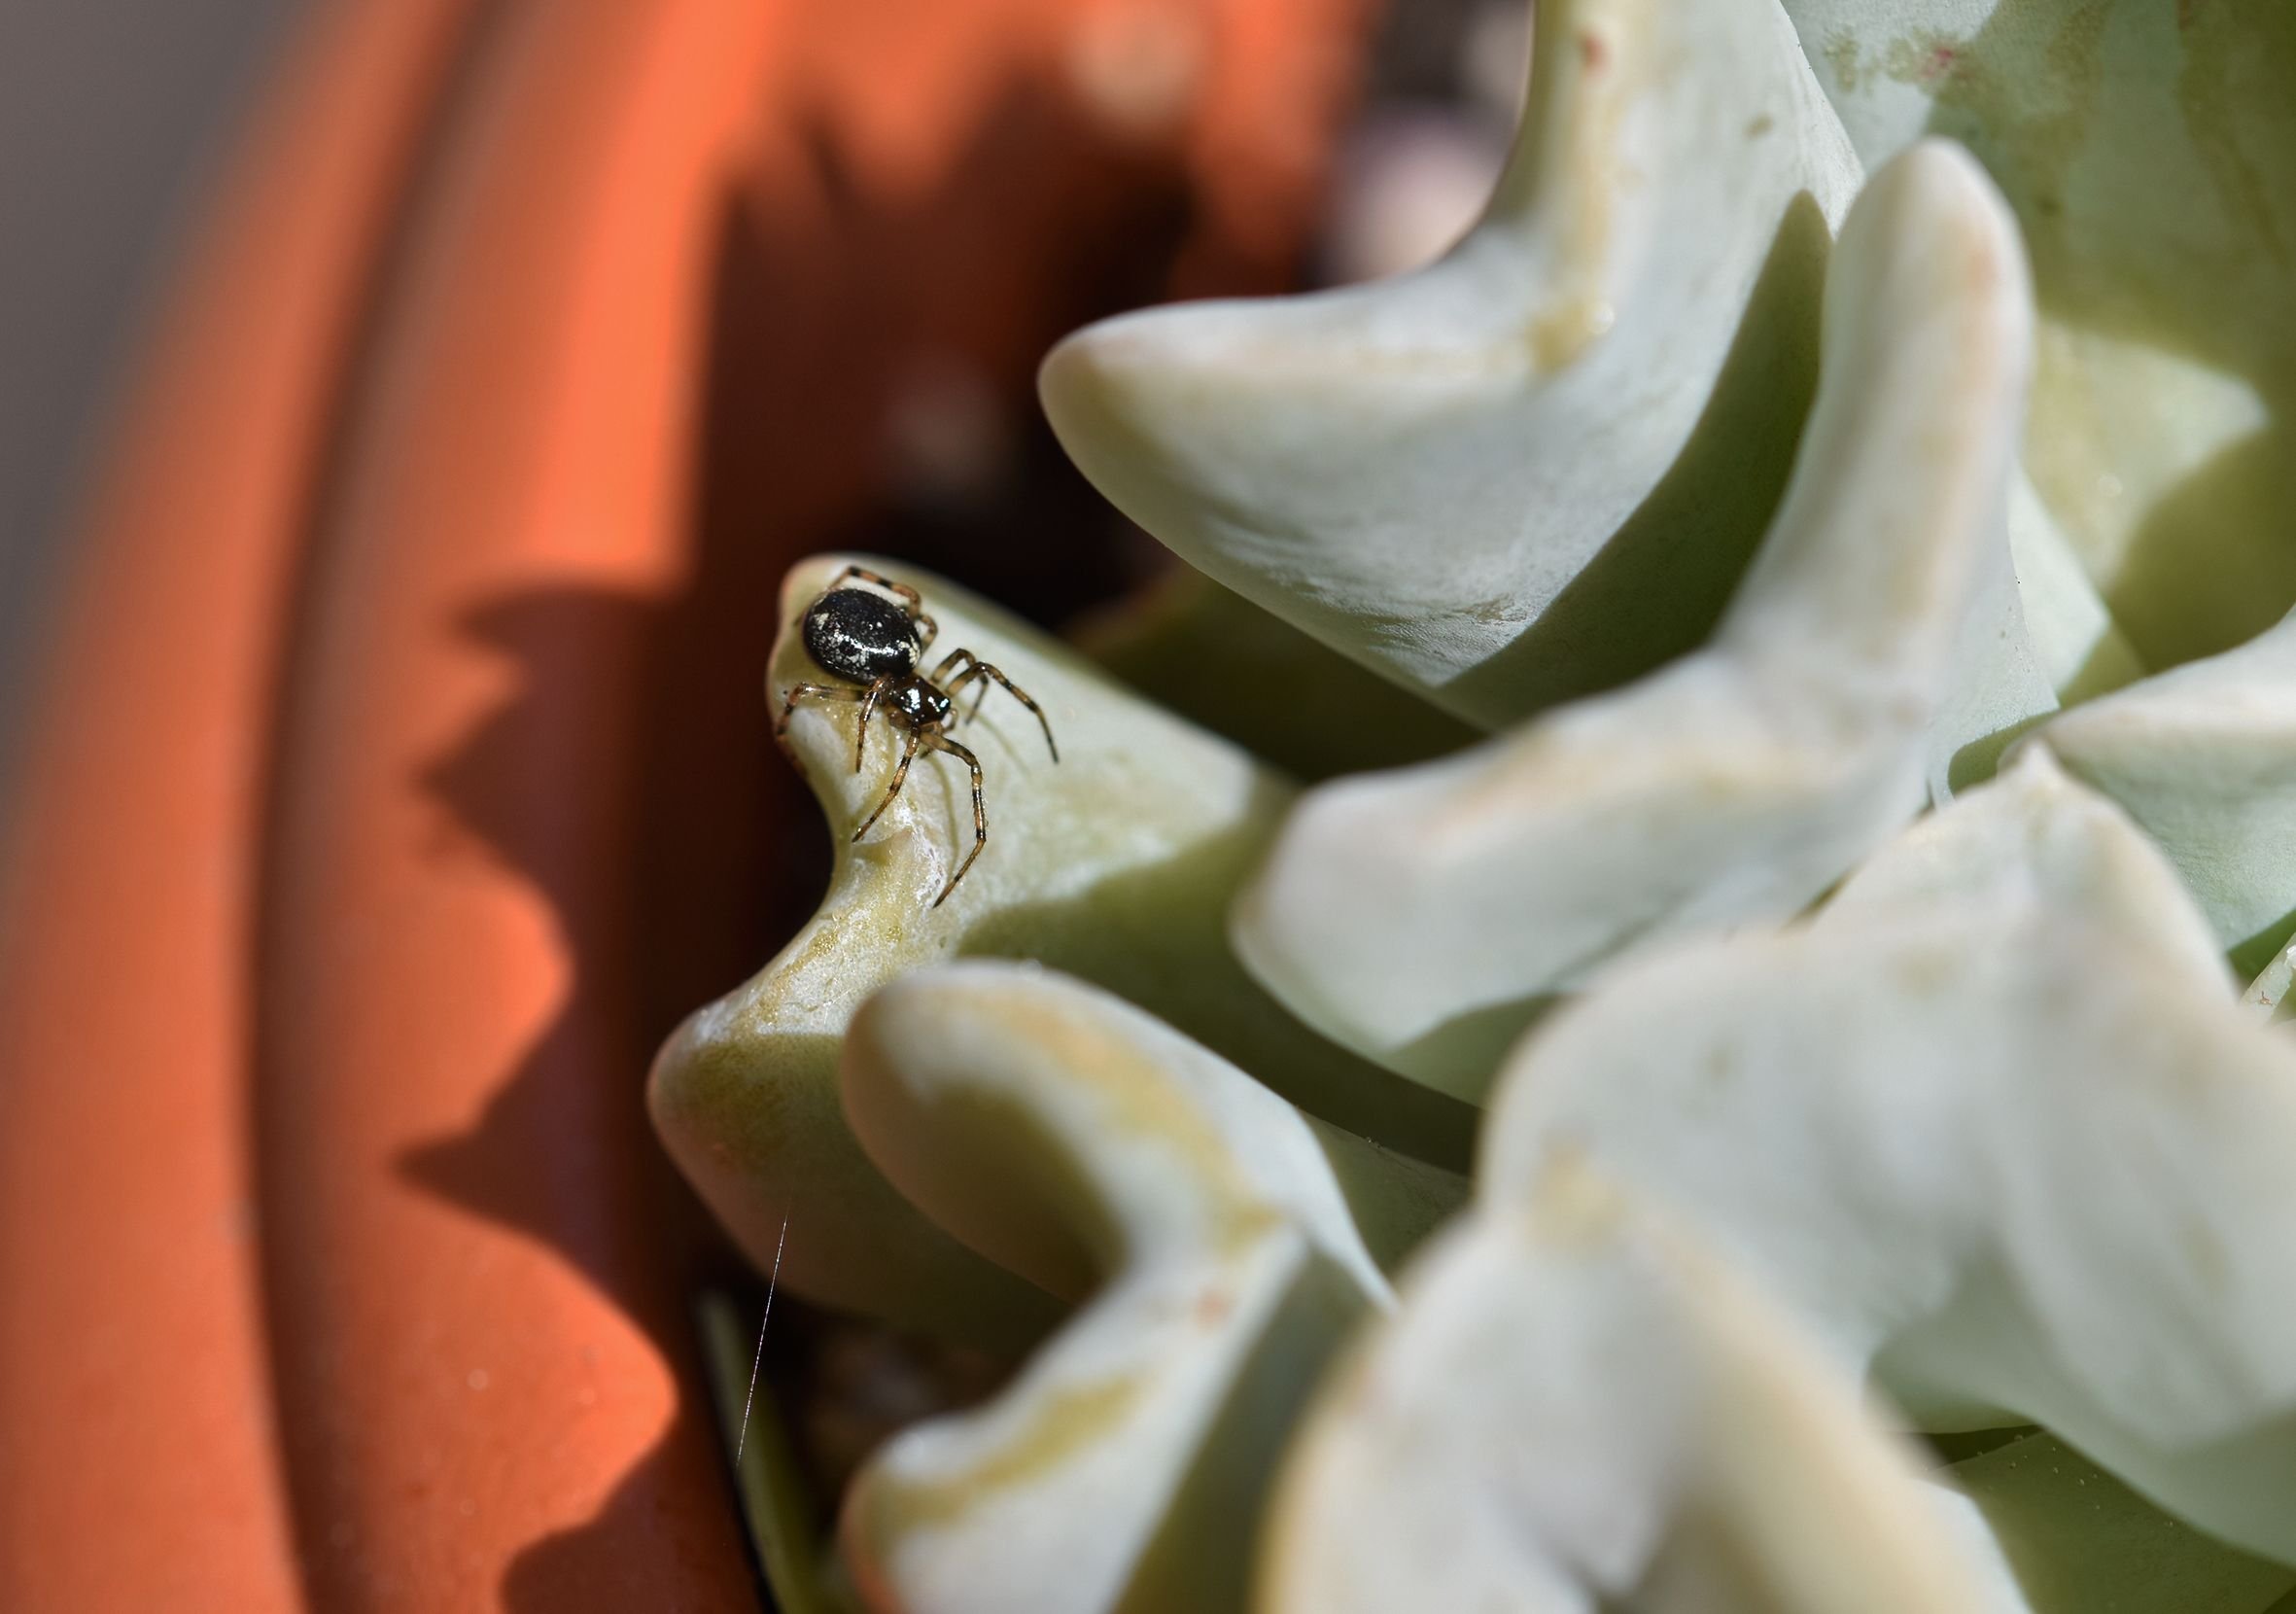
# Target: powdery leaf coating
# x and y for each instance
(2203, 756)
(1415, 915)
(1206, 1227)
(2035, 840)
(1117, 864)
(1537, 466)
(2004, 1138)
(2150, 152)
(1574, 1405)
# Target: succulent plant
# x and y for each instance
(1807, 856)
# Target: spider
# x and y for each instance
(875, 643)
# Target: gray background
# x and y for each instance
(113, 116)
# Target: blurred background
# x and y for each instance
(117, 118)
(115, 115)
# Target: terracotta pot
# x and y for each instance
(398, 775)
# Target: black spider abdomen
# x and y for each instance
(860, 636)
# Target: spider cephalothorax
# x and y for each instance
(873, 641)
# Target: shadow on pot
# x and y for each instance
(828, 307)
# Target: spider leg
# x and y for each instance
(798, 693)
(900, 774)
(972, 664)
(927, 629)
(868, 705)
(983, 670)
(980, 813)
(954, 686)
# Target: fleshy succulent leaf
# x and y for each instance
(2039, 840)
(1741, 781)
(1574, 1405)
(2149, 151)
(1536, 468)
(2013, 1143)
(1989, 1126)
(2078, 1540)
(2268, 997)
(1198, 1220)
(2203, 756)
(1211, 655)
(1117, 865)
